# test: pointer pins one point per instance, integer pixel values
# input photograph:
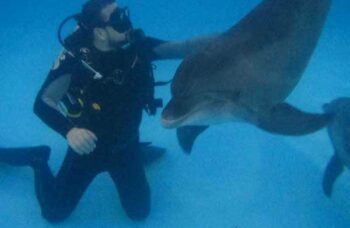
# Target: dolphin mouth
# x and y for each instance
(176, 113)
(179, 110)
(176, 122)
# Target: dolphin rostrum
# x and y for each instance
(246, 73)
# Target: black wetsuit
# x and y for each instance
(112, 109)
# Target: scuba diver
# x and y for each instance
(94, 96)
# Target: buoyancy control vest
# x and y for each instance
(125, 88)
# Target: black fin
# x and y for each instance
(25, 156)
(149, 154)
(333, 170)
(187, 135)
(287, 120)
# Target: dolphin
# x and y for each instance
(339, 134)
(246, 73)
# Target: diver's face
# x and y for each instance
(107, 11)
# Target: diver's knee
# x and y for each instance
(139, 210)
(55, 215)
(139, 214)
(54, 218)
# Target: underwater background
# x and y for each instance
(237, 176)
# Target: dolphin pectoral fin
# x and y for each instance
(333, 170)
(287, 120)
(187, 135)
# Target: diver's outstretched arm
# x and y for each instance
(183, 48)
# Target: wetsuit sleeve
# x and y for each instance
(50, 94)
(181, 49)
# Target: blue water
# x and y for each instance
(237, 176)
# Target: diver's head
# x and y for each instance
(102, 13)
(101, 23)
(107, 11)
(97, 13)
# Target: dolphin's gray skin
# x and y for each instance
(247, 72)
(339, 133)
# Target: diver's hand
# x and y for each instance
(81, 140)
